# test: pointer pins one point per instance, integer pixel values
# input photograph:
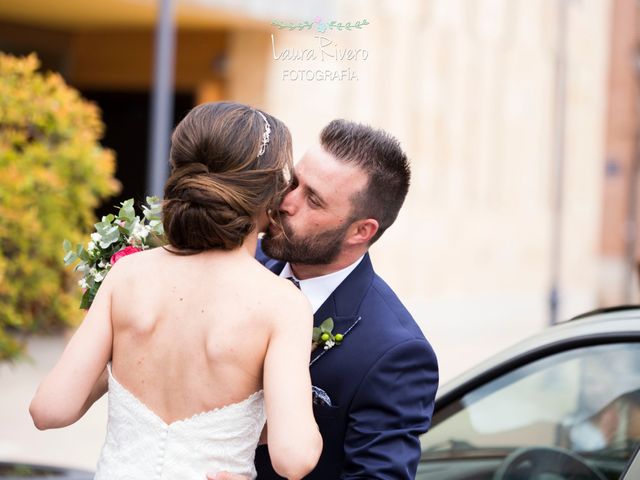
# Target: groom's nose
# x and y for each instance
(289, 202)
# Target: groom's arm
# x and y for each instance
(392, 407)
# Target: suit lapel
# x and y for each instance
(342, 305)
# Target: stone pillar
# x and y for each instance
(620, 154)
(247, 69)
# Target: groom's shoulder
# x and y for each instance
(383, 306)
(390, 333)
(381, 292)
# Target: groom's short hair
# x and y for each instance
(380, 156)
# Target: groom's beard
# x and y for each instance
(319, 249)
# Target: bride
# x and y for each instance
(198, 342)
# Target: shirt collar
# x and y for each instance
(318, 289)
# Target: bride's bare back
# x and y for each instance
(190, 333)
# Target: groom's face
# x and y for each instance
(317, 212)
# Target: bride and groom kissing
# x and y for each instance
(206, 354)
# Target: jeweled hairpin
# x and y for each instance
(265, 135)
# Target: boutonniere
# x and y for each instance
(323, 336)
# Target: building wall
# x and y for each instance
(468, 88)
(618, 275)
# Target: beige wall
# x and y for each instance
(467, 86)
(248, 65)
(621, 151)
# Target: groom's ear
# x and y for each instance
(362, 231)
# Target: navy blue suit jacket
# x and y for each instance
(382, 382)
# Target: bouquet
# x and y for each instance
(115, 237)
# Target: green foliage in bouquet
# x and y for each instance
(53, 174)
(115, 237)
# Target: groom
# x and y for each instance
(374, 391)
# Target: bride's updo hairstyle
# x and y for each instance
(228, 165)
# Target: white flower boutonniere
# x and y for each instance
(323, 336)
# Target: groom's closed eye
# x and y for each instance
(314, 201)
(313, 198)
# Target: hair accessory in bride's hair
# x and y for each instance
(265, 135)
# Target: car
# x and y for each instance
(561, 405)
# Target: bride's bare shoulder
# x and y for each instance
(283, 298)
(136, 262)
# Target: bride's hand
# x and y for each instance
(225, 476)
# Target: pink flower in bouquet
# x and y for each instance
(123, 253)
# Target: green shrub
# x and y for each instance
(53, 174)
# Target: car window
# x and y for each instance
(583, 403)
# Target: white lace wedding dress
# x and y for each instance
(140, 446)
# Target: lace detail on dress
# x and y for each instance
(140, 445)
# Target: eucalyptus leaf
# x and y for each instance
(327, 325)
(108, 218)
(82, 268)
(130, 226)
(109, 236)
(126, 211)
(154, 206)
(316, 334)
(70, 257)
(103, 227)
(66, 245)
(84, 255)
(106, 243)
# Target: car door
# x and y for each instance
(566, 413)
(633, 469)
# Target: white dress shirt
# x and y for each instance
(318, 289)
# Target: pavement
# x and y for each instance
(75, 446)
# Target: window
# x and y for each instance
(584, 401)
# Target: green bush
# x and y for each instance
(53, 174)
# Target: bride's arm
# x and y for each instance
(98, 390)
(293, 438)
(79, 377)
